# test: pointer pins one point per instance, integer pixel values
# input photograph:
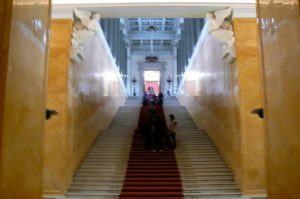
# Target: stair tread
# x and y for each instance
(196, 167)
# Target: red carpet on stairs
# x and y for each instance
(151, 174)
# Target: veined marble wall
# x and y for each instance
(220, 97)
(252, 128)
(5, 18)
(280, 35)
(87, 95)
(58, 137)
(21, 136)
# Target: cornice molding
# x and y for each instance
(148, 1)
(184, 9)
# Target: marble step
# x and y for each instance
(222, 194)
(190, 187)
(99, 181)
(196, 156)
(94, 193)
(99, 174)
(94, 189)
(211, 186)
(102, 172)
(105, 158)
(183, 178)
(199, 184)
(205, 169)
(94, 197)
(197, 162)
(104, 154)
(213, 197)
(96, 186)
(107, 164)
(211, 189)
(112, 166)
(206, 173)
(114, 156)
(93, 184)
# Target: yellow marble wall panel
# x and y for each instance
(86, 95)
(5, 18)
(250, 95)
(22, 134)
(220, 97)
(96, 94)
(280, 35)
(58, 142)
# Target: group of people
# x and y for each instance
(151, 97)
(157, 135)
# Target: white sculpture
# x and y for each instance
(220, 27)
(86, 25)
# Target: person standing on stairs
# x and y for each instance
(160, 98)
(171, 134)
(145, 98)
(156, 130)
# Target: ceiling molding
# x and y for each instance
(147, 1)
(173, 9)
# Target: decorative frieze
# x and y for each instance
(220, 27)
(86, 25)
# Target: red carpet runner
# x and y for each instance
(151, 174)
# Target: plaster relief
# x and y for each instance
(220, 27)
(86, 25)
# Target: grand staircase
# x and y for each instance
(203, 174)
(102, 172)
(151, 173)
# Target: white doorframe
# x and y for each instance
(158, 66)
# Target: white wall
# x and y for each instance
(169, 70)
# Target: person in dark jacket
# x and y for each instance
(160, 98)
